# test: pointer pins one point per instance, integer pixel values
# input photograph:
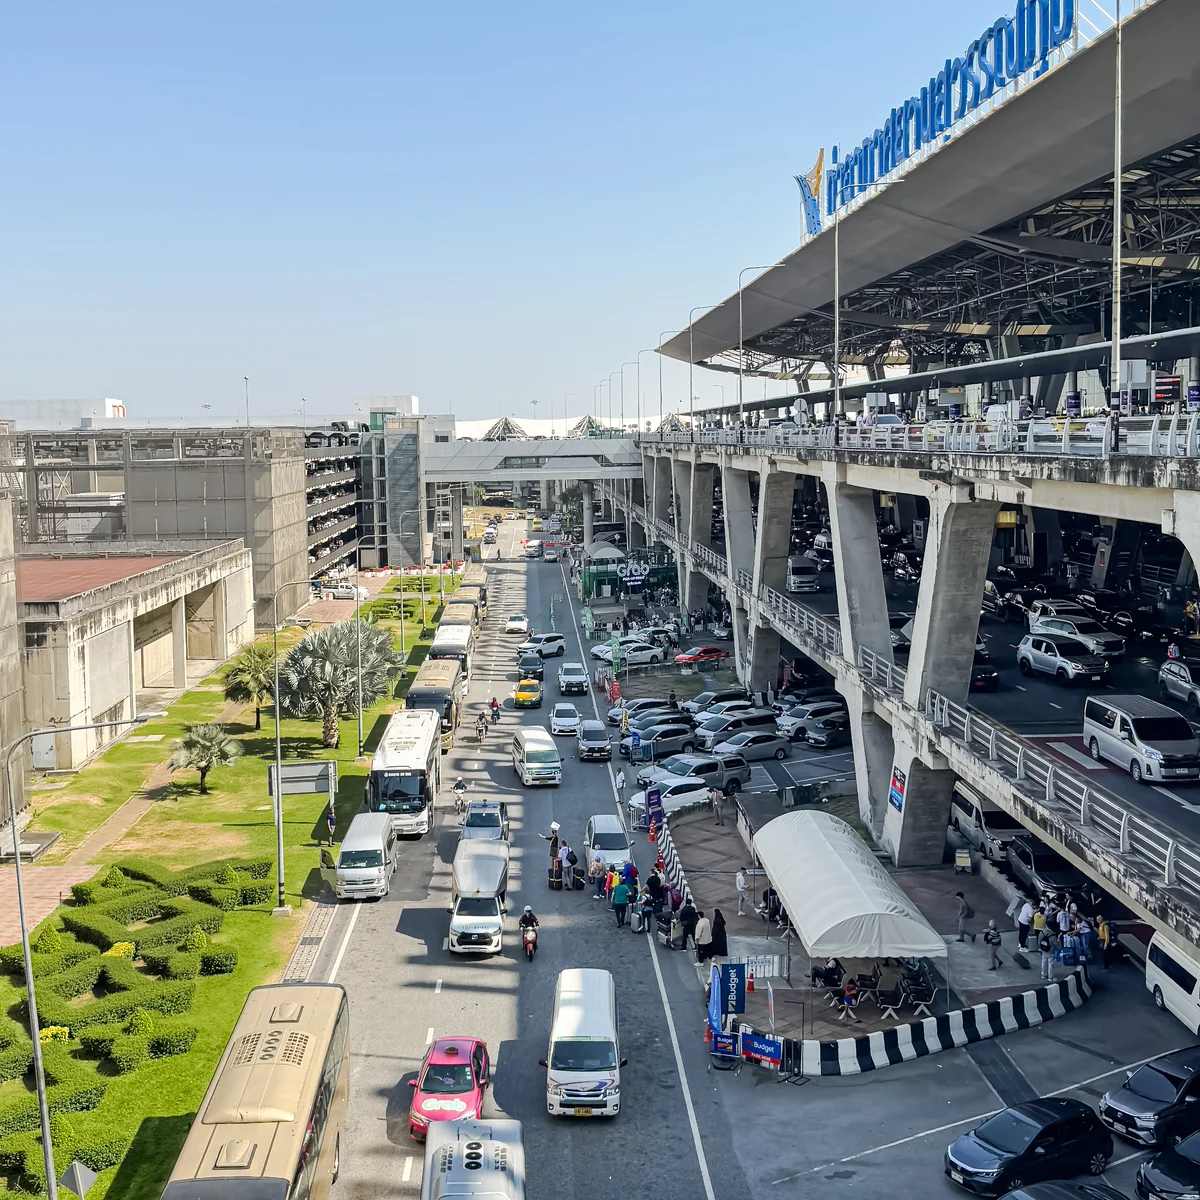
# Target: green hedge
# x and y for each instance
(169, 997)
(73, 1088)
(16, 1050)
(218, 895)
(13, 961)
(176, 883)
(220, 960)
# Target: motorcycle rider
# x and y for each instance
(460, 790)
(528, 920)
(494, 705)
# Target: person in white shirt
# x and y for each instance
(568, 874)
(1024, 920)
(742, 890)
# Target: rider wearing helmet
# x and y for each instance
(528, 920)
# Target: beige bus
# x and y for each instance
(270, 1124)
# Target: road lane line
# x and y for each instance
(437, 987)
(1172, 796)
(429, 1035)
(1020, 688)
(337, 962)
(1053, 705)
(701, 1159)
(1077, 756)
(407, 1173)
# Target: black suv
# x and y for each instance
(1157, 1103)
(531, 666)
(594, 741)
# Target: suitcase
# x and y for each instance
(637, 921)
(554, 878)
(580, 882)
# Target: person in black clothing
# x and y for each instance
(655, 888)
(528, 919)
(688, 918)
(720, 940)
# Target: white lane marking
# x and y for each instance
(1116, 1162)
(1053, 705)
(1173, 796)
(407, 1174)
(437, 987)
(337, 962)
(1015, 645)
(446, 942)
(429, 1035)
(701, 1159)
(916, 1137)
(1077, 756)
(1021, 689)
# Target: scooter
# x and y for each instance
(496, 715)
(460, 799)
(529, 942)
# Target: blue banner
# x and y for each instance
(733, 987)
(654, 807)
(762, 1049)
(1074, 404)
(725, 1045)
(714, 1000)
(1193, 397)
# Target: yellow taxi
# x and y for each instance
(528, 694)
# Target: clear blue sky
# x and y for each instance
(481, 204)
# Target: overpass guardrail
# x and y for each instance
(1075, 437)
(1095, 815)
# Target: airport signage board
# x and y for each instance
(1007, 50)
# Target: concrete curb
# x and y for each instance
(874, 1051)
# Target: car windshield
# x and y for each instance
(545, 757)
(1152, 1084)
(1008, 1131)
(705, 698)
(1047, 860)
(443, 1078)
(593, 731)
(583, 1054)
(716, 724)
(565, 711)
(574, 673)
(477, 906)
(740, 739)
(694, 650)
(1163, 729)
(610, 841)
(361, 858)
(1189, 1148)
(678, 766)
(483, 819)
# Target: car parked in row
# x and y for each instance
(633, 707)
(729, 772)
(695, 655)
(661, 740)
(1040, 870)
(706, 699)
(830, 732)
(1087, 630)
(722, 728)
(1159, 1103)
(796, 721)
(755, 746)
(1179, 679)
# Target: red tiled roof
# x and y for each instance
(42, 579)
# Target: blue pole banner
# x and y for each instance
(733, 987)
(714, 1000)
(1193, 397)
(1074, 404)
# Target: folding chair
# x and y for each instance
(889, 1000)
(920, 996)
(849, 1004)
(868, 985)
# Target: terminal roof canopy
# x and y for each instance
(604, 552)
(842, 902)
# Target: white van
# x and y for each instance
(535, 757)
(583, 1064)
(367, 858)
(1174, 977)
(1147, 739)
(985, 825)
(480, 879)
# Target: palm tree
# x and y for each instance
(203, 747)
(250, 678)
(319, 677)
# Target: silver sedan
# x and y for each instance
(754, 745)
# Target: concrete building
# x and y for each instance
(96, 630)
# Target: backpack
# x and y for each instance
(572, 857)
(970, 911)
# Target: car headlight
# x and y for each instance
(1145, 1122)
(1153, 755)
(610, 1092)
(417, 1119)
(1074, 666)
(555, 1089)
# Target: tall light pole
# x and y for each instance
(741, 346)
(638, 356)
(39, 1071)
(605, 383)
(566, 427)
(691, 361)
(660, 381)
(596, 401)
(610, 395)
(246, 381)
(1114, 385)
(623, 366)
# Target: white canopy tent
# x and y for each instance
(841, 901)
(604, 552)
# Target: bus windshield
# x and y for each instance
(442, 705)
(400, 793)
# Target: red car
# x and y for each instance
(449, 1086)
(702, 654)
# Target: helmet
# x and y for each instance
(529, 910)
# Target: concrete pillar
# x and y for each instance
(916, 816)
(764, 660)
(873, 755)
(179, 643)
(606, 509)
(1045, 537)
(589, 515)
(681, 479)
(957, 550)
(456, 523)
(740, 621)
(637, 535)
(700, 519)
(739, 520)
(857, 568)
(544, 492)
(662, 489)
(220, 621)
(776, 490)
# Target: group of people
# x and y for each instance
(707, 935)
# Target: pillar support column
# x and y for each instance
(179, 643)
(589, 513)
(917, 810)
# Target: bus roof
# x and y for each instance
(407, 739)
(496, 1167)
(452, 637)
(436, 672)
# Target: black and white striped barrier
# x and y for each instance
(874, 1051)
(673, 868)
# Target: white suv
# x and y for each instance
(548, 645)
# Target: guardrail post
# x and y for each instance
(1169, 865)
(967, 729)
(1123, 836)
(1020, 762)
(1085, 804)
(1050, 784)
(992, 744)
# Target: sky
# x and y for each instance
(481, 205)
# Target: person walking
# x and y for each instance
(687, 920)
(703, 938)
(720, 938)
(743, 891)
(654, 885)
(620, 902)
(1104, 936)
(619, 784)
(1024, 921)
(597, 871)
(964, 914)
(991, 936)
(1045, 945)
(717, 798)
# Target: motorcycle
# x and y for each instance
(529, 942)
(460, 799)
(496, 715)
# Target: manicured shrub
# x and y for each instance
(196, 939)
(228, 876)
(98, 1041)
(53, 1033)
(49, 941)
(169, 1042)
(258, 893)
(221, 960)
(140, 1022)
(12, 960)
(115, 878)
(118, 950)
(128, 1053)
(216, 894)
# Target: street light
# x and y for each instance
(660, 365)
(1118, 220)
(741, 347)
(623, 366)
(638, 357)
(610, 396)
(691, 360)
(39, 1072)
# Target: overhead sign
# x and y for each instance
(1004, 52)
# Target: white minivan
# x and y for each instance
(1149, 740)
(1173, 977)
(583, 1064)
(535, 757)
(985, 825)
(367, 858)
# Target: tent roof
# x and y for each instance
(604, 550)
(841, 901)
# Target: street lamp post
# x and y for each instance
(660, 379)
(638, 356)
(39, 1071)
(691, 361)
(741, 347)
(1114, 384)
(623, 366)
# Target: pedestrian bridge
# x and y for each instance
(569, 459)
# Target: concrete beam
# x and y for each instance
(739, 520)
(179, 643)
(776, 490)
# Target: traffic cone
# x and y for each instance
(652, 836)
(749, 982)
(707, 1034)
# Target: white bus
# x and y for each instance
(474, 1158)
(406, 770)
(454, 642)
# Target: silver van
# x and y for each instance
(721, 729)
(480, 886)
(1150, 740)
(535, 757)
(367, 858)
(985, 825)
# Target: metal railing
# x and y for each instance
(1070, 437)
